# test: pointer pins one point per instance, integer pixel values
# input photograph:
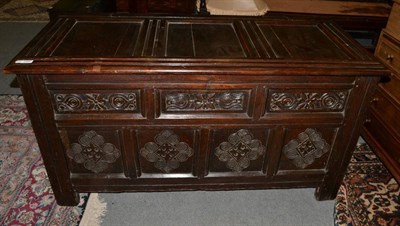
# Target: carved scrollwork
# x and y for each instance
(167, 152)
(307, 101)
(92, 151)
(308, 146)
(239, 150)
(204, 101)
(91, 102)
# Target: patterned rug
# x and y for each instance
(25, 194)
(25, 10)
(369, 195)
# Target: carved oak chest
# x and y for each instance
(165, 103)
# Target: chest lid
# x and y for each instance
(127, 44)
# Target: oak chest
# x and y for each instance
(214, 103)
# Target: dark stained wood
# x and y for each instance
(83, 7)
(363, 27)
(157, 6)
(167, 103)
(109, 44)
(180, 41)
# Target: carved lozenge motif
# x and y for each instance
(167, 152)
(92, 151)
(239, 150)
(308, 146)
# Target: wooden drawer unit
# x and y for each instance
(388, 51)
(393, 25)
(195, 103)
(380, 136)
(387, 109)
(382, 131)
(382, 128)
(391, 88)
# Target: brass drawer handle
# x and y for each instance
(374, 100)
(389, 56)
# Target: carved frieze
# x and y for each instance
(167, 152)
(239, 150)
(306, 101)
(94, 102)
(308, 146)
(92, 151)
(205, 101)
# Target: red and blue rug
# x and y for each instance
(25, 10)
(369, 195)
(26, 197)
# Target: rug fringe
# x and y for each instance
(95, 210)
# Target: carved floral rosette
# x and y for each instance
(167, 152)
(239, 150)
(92, 151)
(308, 146)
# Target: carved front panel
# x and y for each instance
(204, 101)
(97, 102)
(306, 148)
(167, 151)
(306, 101)
(90, 150)
(238, 150)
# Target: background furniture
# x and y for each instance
(157, 6)
(362, 20)
(237, 7)
(382, 131)
(63, 7)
